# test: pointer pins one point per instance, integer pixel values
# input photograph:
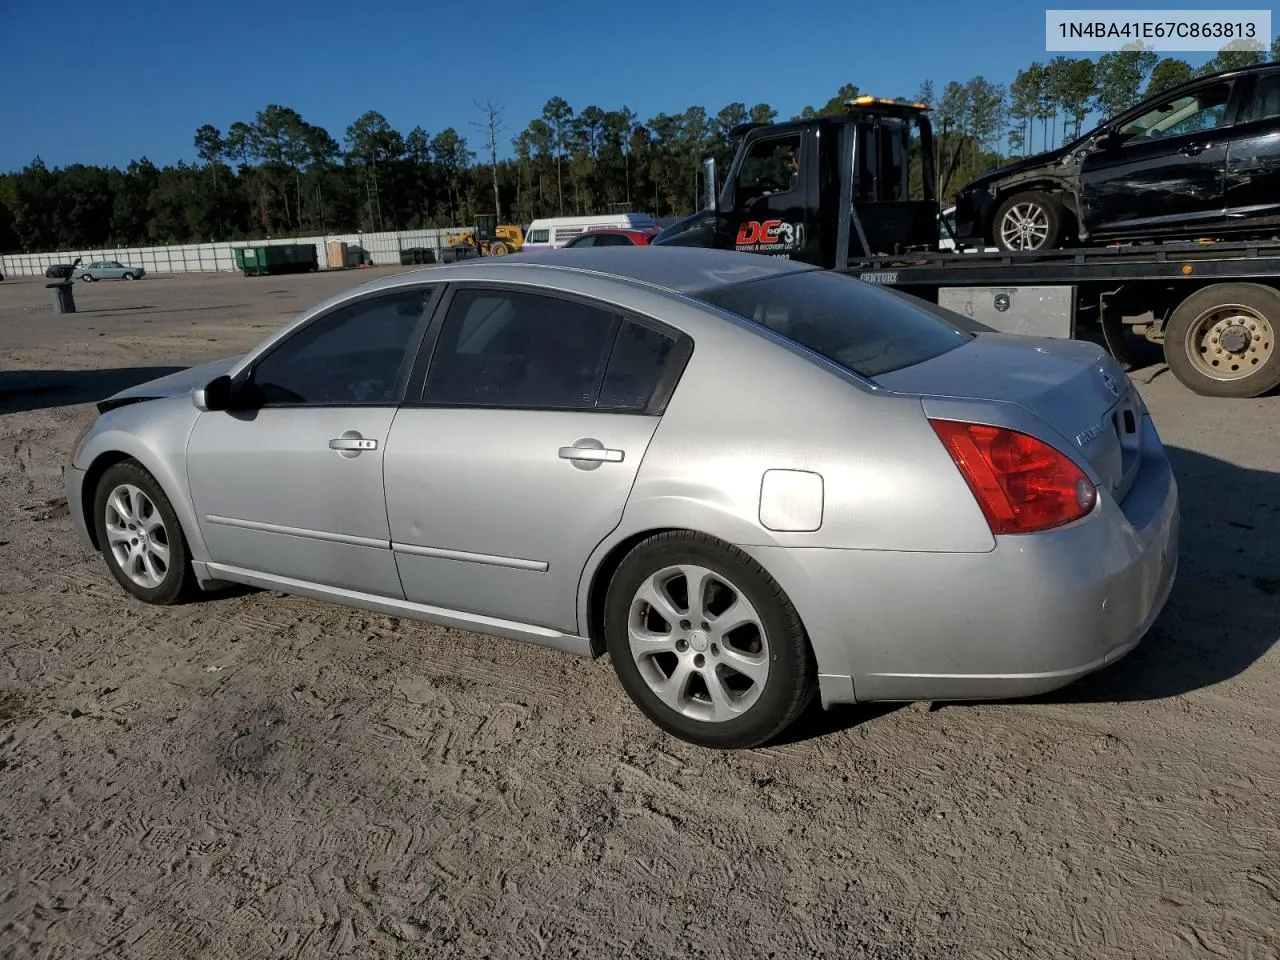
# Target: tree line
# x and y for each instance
(280, 175)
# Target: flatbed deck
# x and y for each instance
(1174, 261)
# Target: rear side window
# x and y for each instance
(538, 236)
(639, 358)
(867, 331)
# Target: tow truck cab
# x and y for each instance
(788, 181)
(860, 198)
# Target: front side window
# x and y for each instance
(353, 355)
(770, 166)
(1191, 113)
(538, 236)
(867, 331)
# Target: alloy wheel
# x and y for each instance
(1025, 226)
(698, 643)
(137, 536)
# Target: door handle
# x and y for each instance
(597, 454)
(353, 443)
(1192, 149)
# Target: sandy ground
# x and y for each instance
(258, 776)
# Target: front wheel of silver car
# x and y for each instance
(706, 643)
(140, 537)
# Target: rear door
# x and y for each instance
(518, 455)
(1253, 153)
(1167, 168)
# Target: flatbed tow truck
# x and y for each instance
(1214, 307)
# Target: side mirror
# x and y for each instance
(214, 395)
(1106, 139)
(711, 195)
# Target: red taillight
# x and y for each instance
(1022, 484)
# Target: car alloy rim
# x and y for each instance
(698, 643)
(1025, 226)
(137, 535)
(1230, 342)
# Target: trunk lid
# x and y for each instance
(1072, 385)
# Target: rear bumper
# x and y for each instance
(1032, 615)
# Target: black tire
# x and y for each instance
(179, 581)
(127, 276)
(1051, 209)
(498, 249)
(1195, 357)
(87, 278)
(792, 671)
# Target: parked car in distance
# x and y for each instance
(612, 238)
(748, 480)
(107, 270)
(552, 233)
(1198, 160)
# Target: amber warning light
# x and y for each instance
(866, 101)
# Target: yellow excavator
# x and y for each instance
(487, 238)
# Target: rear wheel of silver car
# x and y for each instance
(706, 643)
(1028, 221)
(140, 537)
(1221, 340)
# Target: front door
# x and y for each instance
(518, 460)
(293, 487)
(1163, 170)
(769, 202)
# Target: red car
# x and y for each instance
(612, 238)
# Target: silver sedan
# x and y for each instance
(107, 270)
(748, 481)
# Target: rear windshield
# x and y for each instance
(864, 329)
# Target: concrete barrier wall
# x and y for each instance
(380, 248)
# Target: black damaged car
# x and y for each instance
(1198, 160)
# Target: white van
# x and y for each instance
(552, 233)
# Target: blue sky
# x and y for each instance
(132, 78)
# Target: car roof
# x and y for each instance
(676, 269)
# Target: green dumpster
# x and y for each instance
(267, 259)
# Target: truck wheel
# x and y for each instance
(1221, 340)
(499, 249)
(1028, 221)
